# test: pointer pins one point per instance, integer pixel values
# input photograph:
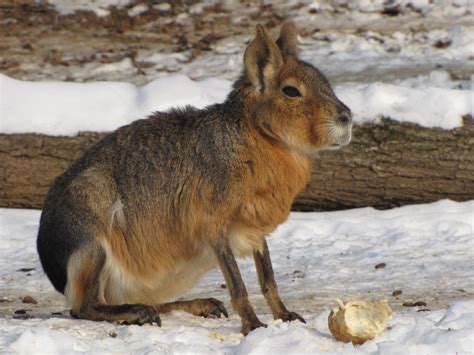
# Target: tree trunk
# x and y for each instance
(386, 165)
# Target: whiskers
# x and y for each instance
(338, 135)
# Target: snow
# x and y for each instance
(57, 108)
(428, 106)
(64, 108)
(436, 78)
(317, 258)
(99, 7)
(138, 10)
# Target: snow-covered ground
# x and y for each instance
(350, 40)
(427, 251)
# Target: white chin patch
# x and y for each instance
(343, 138)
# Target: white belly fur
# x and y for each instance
(121, 287)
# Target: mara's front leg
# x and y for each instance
(269, 287)
(238, 293)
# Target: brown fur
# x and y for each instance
(84, 269)
(158, 203)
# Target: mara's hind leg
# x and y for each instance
(85, 292)
(204, 307)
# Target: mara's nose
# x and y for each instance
(343, 119)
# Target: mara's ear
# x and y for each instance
(262, 59)
(287, 40)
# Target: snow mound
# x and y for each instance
(47, 341)
(428, 107)
(424, 335)
(458, 316)
(63, 108)
(409, 334)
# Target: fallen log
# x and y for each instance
(386, 165)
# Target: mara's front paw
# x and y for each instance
(290, 316)
(247, 327)
(142, 314)
(210, 308)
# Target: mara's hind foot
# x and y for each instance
(84, 291)
(203, 307)
(138, 314)
(291, 316)
(248, 326)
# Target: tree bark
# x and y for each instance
(386, 165)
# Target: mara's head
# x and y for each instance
(290, 100)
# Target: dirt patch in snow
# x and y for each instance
(145, 39)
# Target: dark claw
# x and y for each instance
(146, 317)
(301, 319)
(291, 316)
(224, 311)
(218, 311)
(247, 328)
(214, 314)
(220, 308)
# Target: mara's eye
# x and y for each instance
(291, 91)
